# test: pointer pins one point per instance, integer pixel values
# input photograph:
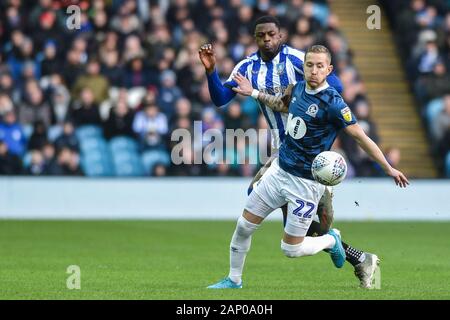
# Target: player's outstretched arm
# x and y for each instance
(245, 88)
(220, 94)
(357, 133)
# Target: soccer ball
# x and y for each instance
(329, 168)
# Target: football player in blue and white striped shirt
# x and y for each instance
(271, 70)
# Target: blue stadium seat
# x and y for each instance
(93, 143)
(26, 159)
(447, 165)
(27, 130)
(123, 143)
(152, 157)
(95, 155)
(94, 168)
(433, 109)
(127, 163)
(129, 169)
(88, 131)
(54, 132)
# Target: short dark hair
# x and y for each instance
(319, 49)
(267, 19)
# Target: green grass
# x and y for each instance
(178, 259)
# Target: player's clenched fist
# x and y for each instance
(207, 57)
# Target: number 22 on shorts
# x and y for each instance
(304, 209)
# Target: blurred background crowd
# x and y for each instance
(103, 99)
(422, 33)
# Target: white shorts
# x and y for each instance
(276, 188)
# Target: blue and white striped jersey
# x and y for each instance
(273, 77)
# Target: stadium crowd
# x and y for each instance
(423, 37)
(104, 98)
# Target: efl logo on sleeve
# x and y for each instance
(347, 114)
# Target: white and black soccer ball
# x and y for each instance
(329, 168)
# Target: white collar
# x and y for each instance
(317, 90)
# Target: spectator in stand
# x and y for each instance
(48, 152)
(159, 170)
(6, 105)
(68, 138)
(362, 113)
(234, 119)
(393, 156)
(94, 80)
(50, 63)
(59, 100)
(441, 127)
(68, 163)
(73, 67)
(433, 85)
(37, 164)
(120, 121)
(85, 111)
(7, 86)
(136, 74)
(151, 126)
(111, 68)
(47, 29)
(12, 133)
(183, 109)
(169, 93)
(38, 137)
(10, 164)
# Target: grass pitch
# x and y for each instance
(178, 259)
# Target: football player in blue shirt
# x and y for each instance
(272, 69)
(317, 113)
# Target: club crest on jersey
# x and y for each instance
(312, 110)
(347, 114)
(279, 68)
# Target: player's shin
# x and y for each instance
(239, 246)
(308, 247)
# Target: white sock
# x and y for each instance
(239, 246)
(309, 246)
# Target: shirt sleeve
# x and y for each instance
(335, 82)
(220, 93)
(241, 67)
(340, 114)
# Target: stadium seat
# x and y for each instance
(54, 132)
(94, 168)
(26, 159)
(88, 131)
(97, 163)
(123, 143)
(447, 165)
(127, 163)
(27, 130)
(95, 154)
(129, 169)
(90, 144)
(153, 157)
(433, 109)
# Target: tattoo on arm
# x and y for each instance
(280, 104)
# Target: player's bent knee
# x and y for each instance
(292, 250)
(242, 236)
(245, 227)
